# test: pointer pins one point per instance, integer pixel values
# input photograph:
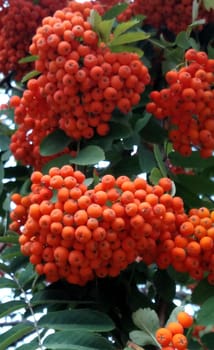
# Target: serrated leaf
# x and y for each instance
(27, 59)
(54, 143)
(14, 334)
(142, 338)
(146, 320)
(124, 26)
(130, 37)
(115, 11)
(73, 340)
(89, 155)
(77, 319)
(30, 75)
(208, 4)
(205, 316)
(8, 307)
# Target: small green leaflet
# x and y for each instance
(89, 155)
(30, 75)
(205, 315)
(130, 37)
(123, 27)
(28, 59)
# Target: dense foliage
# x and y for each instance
(107, 175)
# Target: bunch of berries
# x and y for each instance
(35, 121)
(76, 233)
(18, 22)
(80, 85)
(172, 337)
(188, 104)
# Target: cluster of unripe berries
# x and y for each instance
(18, 22)
(80, 85)
(187, 104)
(172, 337)
(162, 14)
(76, 233)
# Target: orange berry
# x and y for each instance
(163, 336)
(185, 319)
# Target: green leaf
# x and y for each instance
(124, 26)
(73, 340)
(31, 58)
(77, 319)
(7, 283)
(89, 155)
(30, 75)
(205, 315)
(202, 292)
(95, 19)
(11, 252)
(192, 182)
(141, 122)
(195, 9)
(126, 48)
(197, 23)
(208, 340)
(4, 142)
(173, 315)
(59, 162)
(1, 176)
(54, 143)
(104, 29)
(130, 37)
(32, 345)
(210, 50)
(142, 338)
(193, 161)
(115, 11)
(119, 130)
(182, 40)
(155, 176)
(146, 158)
(9, 237)
(10, 306)
(15, 333)
(148, 322)
(208, 4)
(161, 280)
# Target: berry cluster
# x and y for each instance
(162, 14)
(188, 104)
(82, 81)
(35, 121)
(172, 337)
(84, 232)
(18, 22)
(80, 85)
